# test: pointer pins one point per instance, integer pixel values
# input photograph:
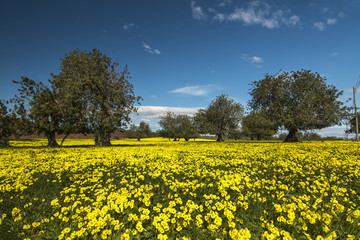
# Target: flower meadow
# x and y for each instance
(159, 189)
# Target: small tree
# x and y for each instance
(222, 116)
(177, 126)
(257, 125)
(43, 109)
(21, 123)
(236, 134)
(297, 101)
(139, 132)
(186, 127)
(311, 136)
(168, 124)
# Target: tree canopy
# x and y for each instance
(177, 126)
(43, 107)
(257, 125)
(139, 132)
(222, 116)
(98, 90)
(297, 100)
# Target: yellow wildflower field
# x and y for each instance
(159, 189)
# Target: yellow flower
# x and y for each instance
(162, 236)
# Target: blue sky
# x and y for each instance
(182, 54)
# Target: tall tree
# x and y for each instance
(297, 100)
(100, 89)
(258, 126)
(222, 116)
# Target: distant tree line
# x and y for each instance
(93, 95)
(297, 101)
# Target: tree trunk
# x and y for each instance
(291, 137)
(187, 139)
(51, 137)
(219, 138)
(138, 139)
(102, 139)
(63, 140)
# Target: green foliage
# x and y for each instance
(139, 132)
(177, 126)
(257, 125)
(297, 100)
(222, 116)
(44, 110)
(20, 121)
(5, 125)
(236, 134)
(98, 90)
(353, 124)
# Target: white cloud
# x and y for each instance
(150, 50)
(197, 11)
(254, 60)
(320, 26)
(331, 21)
(225, 3)
(220, 17)
(128, 26)
(334, 54)
(257, 12)
(201, 90)
(261, 13)
(337, 131)
(294, 20)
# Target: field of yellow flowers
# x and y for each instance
(159, 189)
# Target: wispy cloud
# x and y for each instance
(200, 90)
(151, 50)
(154, 97)
(197, 11)
(257, 12)
(263, 14)
(252, 59)
(320, 26)
(334, 54)
(331, 21)
(225, 3)
(128, 26)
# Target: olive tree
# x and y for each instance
(297, 101)
(222, 116)
(100, 90)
